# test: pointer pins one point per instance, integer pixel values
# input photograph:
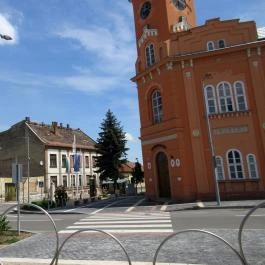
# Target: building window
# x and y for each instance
(157, 107)
(235, 166)
(93, 161)
(53, 161)
(219, 168)
(252, 167)
(73, 180)
(54, 180)
(225, 97)
(210, 99)
(221, 44)
(87, 161)
(64, 163)
(87, 179)
(150, 55)
(210, 46)
(65, 181)
(240, 96)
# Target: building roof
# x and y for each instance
(58, 135)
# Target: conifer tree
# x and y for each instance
(111, 149)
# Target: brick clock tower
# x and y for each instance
(187, 75)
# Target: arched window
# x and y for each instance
(240, 96)
(235, 165)
(219, 168)
(225, 97)
(210, 99)
(157, 106)
(221, 44)
(150, 55)
(252, 167)
(210, 45)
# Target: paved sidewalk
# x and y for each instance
(10, 261)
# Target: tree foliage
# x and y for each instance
(111, 148)
(138, 174)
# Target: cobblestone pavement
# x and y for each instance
(189, 248)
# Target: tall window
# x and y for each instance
(219, 168)
(240, 96)
(87, 161)
(63, 161)
(252, 167)
(54, 180)
(150, 55)
(235, 166)
(225, 97)
(53, 161)
(210, 99)
(157, 107)
(65, 181)
(73, 180)
(221, 44)
(210, 45)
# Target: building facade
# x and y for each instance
(201, 92)
(47, 156)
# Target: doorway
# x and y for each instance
(10, 192)
(163, 175)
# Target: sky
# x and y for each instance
(72, 60)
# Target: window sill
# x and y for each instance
(229, 114)
(238, 180)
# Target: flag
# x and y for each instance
(67, 165)
(76, 162)
(74, 145)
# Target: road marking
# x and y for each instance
(252, 215)
(200, 204)
(164, 207)
(107, 206)
(123, 222)
(136, 204)
(125, 218)
(28, 220)
(122, 231)
(120, 226)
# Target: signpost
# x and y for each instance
(16, 176)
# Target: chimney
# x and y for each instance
(67, 126)
(54, 126)
(27, 119)
(61, 125)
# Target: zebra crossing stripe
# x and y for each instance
(131, 231)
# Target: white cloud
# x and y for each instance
(129, 137)
(6, 28)
(261, 32)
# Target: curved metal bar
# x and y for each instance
(241, 228)
(198, 231)
(94, 230)
(46, 213)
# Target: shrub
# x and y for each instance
(4, 224)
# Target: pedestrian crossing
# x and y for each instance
(123, 223)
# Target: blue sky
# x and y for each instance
(72, 60)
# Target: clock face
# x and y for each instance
(180, 4)
(145, 10)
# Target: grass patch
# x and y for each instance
(11, 236)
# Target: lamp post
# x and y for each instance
(210, 138)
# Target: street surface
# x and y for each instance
(141, 226)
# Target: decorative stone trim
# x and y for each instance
(259, 51)
(159, 140)
(249, 52)
(231, 130)
(229, 114)
(169, 66)
(147, 33)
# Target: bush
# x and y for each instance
(4, 224)
(60, 195)
(43, 204)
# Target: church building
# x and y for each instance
(201, 92)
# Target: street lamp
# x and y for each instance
(210, 138)
(5, 37)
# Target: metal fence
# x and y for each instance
(240, 254)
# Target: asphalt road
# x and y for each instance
(141, 226)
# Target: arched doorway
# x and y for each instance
(163, 175)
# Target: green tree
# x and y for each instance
(138, 174)
(111, 147)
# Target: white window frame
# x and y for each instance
(210, 48)
(208, 99)
(219, 44)
(157, 107)
(56, 160)
(221, 167)
(255, 165)
(235, 164)
(150, 54)
(222, 85)
(240, 95)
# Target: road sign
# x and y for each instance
(17, 170)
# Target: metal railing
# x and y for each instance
(58, 248)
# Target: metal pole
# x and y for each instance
(18, 196)
(28, 161)
(214, 169)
